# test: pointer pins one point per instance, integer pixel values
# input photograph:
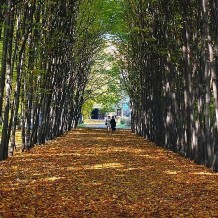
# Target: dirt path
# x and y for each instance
(86, 173)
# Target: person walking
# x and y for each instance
(108, 124)
(113, 125)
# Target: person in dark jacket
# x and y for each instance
(113, 124)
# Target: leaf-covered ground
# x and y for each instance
(86, 173)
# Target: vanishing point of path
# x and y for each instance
(86, 173)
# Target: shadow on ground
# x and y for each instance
(87, 173)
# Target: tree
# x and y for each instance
(104, 83)
(53, 49)
(169, 67)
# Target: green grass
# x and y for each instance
(81, 125)
(1, 48)
(121, 126)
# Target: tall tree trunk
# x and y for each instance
(215, 86)
(1, 17)
(207, 59)
(5, 52)
(16, 100)
(8, 87)
(188, 92)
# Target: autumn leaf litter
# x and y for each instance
(87, 173)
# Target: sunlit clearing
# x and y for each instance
(205, 173)
(93, 184)
(96, 166)
(171, 172)
(105, 166)
(70, 154)
(54, 178)
(145, 155)
(33, 181)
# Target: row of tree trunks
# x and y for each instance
(48, 51)
(172, 51)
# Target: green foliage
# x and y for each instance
(1, 48)
(104, 86)
(125, 121)
(87, 108)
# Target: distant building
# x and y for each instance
(95, 114)
(122, 109)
